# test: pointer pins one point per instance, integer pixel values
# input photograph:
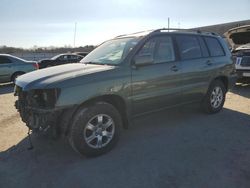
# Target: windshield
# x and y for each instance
(111, 52)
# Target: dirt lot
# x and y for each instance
(176, 148)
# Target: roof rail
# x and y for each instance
(168, 30)
(186, 30)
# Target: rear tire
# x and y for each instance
(214, 100)
(95, 129)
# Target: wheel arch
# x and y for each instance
(224, 80)
(16, 73)
(117, 101)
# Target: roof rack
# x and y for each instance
(168, 30)
(186, 30)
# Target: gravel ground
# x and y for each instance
(176, 148)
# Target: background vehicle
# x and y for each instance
(11, 67)
(242, 65)
(240, 40)
(125, 77)
(60, 60)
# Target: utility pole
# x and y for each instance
(168, 23)
(75, 35)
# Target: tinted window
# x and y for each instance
(75, 57)
(148, 48)
(63, 57)
(189, 47)
(4, 60)
(160, 48)
(165, 50)
(204, 49)
(214, 46)
(79, 57)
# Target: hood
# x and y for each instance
(239, 35)
(244, 47)
(44, 77)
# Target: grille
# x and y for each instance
(245, 62)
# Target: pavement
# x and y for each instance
(176, 148)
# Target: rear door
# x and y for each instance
(157, 85)
(197, 66)
(6, 69)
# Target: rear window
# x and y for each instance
(189, 47)
(214, 47)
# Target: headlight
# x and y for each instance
(45, 98)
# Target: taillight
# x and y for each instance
(36, 65)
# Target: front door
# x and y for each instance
(156, 85)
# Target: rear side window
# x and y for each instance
(214, 47)
(4, 60)
(204, 49)
(189, 47)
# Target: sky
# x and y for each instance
(43, 23)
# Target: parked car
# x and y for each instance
(242, 64)
(11, 67)
(60, 60)
(240, 38)
(123, 78)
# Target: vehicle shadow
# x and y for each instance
(175, 148)
(242, 89)
(6, 88)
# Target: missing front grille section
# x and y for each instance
(38, 98)
(42, 98)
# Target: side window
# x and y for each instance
(148, 48)
(189, 47)
(203, 47)
(160, 49)
(4, 60)
(79, 57)
(214, 47)
(165, 50)
(74, 57)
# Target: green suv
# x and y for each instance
(125, 77)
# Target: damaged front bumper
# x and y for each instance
(37, 108)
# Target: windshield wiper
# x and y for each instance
(91, 62)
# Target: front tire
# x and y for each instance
(214, 100)
(95, 129)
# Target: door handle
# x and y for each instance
(174, 68)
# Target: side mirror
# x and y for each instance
(143, 60)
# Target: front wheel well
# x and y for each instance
(115, 100)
